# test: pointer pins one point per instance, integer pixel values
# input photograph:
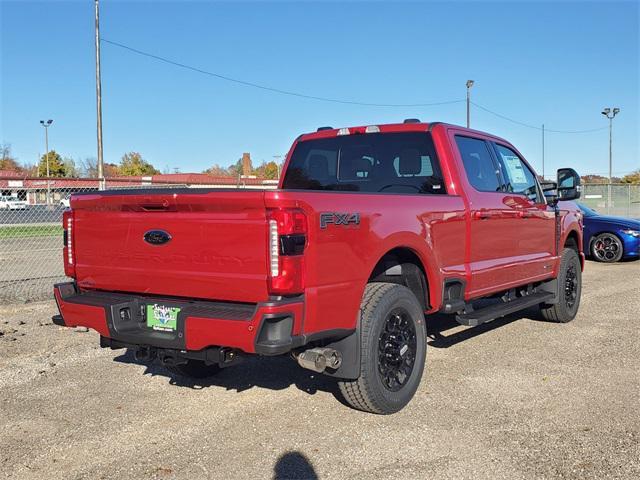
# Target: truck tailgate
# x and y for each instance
(217, 248)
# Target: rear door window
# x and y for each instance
(402, 162)
(481, 170)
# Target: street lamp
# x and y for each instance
(469, 85)
(610, 114)
(46, 126)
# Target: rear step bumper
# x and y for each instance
(270, 328)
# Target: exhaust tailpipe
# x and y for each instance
(319, 359)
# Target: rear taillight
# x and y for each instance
(67, 235)
(287, 240)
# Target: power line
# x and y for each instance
(517, 122)
(335, 100)
(271, 89)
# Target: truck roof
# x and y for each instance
(410, 125)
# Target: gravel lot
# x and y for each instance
(516, 399)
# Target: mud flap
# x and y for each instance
(349, 348)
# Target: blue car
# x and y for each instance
(609, 239)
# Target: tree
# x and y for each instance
(70, 169)
(594, 179)
(235, 170)
(89, 167)
(268, 170)
(632, 178)
(132, 164)
(217, 171)
(111, 170)
(7, 160)
(56, 165)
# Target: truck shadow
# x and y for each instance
(279, 373)
(274, 373)
(438, 324)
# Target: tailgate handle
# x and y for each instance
(158, 207)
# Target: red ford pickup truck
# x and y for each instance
(371, 230)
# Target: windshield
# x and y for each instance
(588, 212)
(374, 162)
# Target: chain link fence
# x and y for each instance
(622, 200)
(31, 225)
(31, 221)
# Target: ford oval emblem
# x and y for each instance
(157, 237)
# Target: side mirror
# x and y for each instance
(568, 184)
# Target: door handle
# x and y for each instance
(516, 213)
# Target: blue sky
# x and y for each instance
(556, 63)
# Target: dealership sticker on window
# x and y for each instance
(515, 169)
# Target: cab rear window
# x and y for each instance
(403, 162)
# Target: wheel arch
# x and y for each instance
(406, 265)
(573, 240)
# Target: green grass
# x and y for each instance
(22, 231)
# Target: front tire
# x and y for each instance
(569, 289)
(393, 340)
(607, 248)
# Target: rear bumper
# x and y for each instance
(269, 328)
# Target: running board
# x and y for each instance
(492, 312)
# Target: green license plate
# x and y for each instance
(163, 318)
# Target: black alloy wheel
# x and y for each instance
(396, 350)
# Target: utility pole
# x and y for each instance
(469, 85)
(610, 114)
(99, 99)
(46, 126)
(543, 151)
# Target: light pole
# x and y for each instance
(469, 85)
(46, 126)
(610, 114)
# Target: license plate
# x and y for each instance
(162, 317)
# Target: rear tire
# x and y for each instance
(393, 346)
(569, 289)
(194, 369)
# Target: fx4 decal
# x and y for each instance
(338, 218)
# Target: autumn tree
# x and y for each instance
(89, 168)
(632, 178)
(217, 171)
(268, 170)
(132, 164)
(56, 165)
(235, 170)
(7, 160)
